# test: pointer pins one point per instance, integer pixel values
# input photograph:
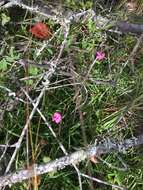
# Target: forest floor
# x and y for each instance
(86, 80)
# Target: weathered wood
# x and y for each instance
(130, 27)
(107, 146)
(57, 13)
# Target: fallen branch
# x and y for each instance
(49, 13)
(104, 147)
(129, 27)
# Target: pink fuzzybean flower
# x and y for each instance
(57, 117)
(100, 55)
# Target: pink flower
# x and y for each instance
(57, 117)
(100, 55)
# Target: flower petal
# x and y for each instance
(57, 117)
(100, 55)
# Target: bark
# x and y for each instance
(107, 146)
(129, 27)
(57, 12)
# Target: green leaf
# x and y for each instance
(50, 51)
(5, 19)
(12, 56)
(46, 159)
(91, 25)
(33, 70)
(29, 82)
(3, 65)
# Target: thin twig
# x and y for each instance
(45, 43)
(135, 49)
(111, 165)
(55, 136)
(34, 9)
(11, 94)
(133, 54)
(101, 181)
(18, 144)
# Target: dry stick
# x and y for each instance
(66, 32)
(12, 94)
(34, 10)
(55, 136)
(39, 51)
(48, 125)
(133, 53)
(86, 77)
(78, 104)
(107, 146)
(103, 182)
(18, 144)
(81, 116)
(111, 165)
(65, 21)
(31, 9)
(61, 86)
(129, 27)
(102, 21)
(85, 141)
(35, 108)
(135, 49)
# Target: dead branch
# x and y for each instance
(107, 146)
(130, 27)
(49, 13)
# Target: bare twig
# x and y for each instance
(113, 167)
(103, 182)
(133, 54)
(34, 9)
(11, 94)
(129, 27)
(107, 146)
(55, 136)
(18, 144)
(45, 43)
(102, 22)
(135, 49)
(45, 84)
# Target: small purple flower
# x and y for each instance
(57, 117)
(100, 55)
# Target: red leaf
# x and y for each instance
(40, 30)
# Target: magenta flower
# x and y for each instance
(100, 55)
(57, 117)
